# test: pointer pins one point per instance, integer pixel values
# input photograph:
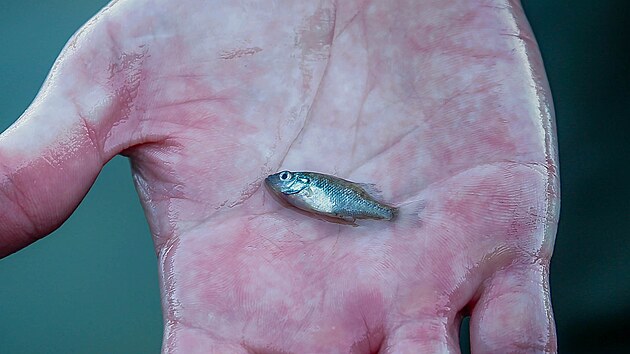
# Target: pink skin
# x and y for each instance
(443, 104)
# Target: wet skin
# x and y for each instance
(444, 104)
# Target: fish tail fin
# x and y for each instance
(409, 215)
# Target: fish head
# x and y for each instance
(287, 182)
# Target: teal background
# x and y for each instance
(92, 286)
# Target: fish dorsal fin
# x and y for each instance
(372, 190)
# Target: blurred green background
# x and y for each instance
(92, 286)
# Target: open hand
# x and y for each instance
(443, 104)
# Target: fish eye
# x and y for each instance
(286, 175)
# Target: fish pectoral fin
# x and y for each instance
(299, 185)
(352, 221)
(307, 192)
(348, 218)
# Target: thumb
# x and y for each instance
(52, 154)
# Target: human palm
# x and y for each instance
(443, 105)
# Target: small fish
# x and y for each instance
(330, 196)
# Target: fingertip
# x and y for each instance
(513, 314)
(422, 335)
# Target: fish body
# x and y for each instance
(330, 196)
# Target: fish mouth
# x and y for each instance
(269, 182)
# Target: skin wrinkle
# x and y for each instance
(366, 91)
(315, 96)
(10, 185)
(93, 138)
(347, 24)
(376, 154)
(238, 53)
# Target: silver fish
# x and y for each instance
(329, 196)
